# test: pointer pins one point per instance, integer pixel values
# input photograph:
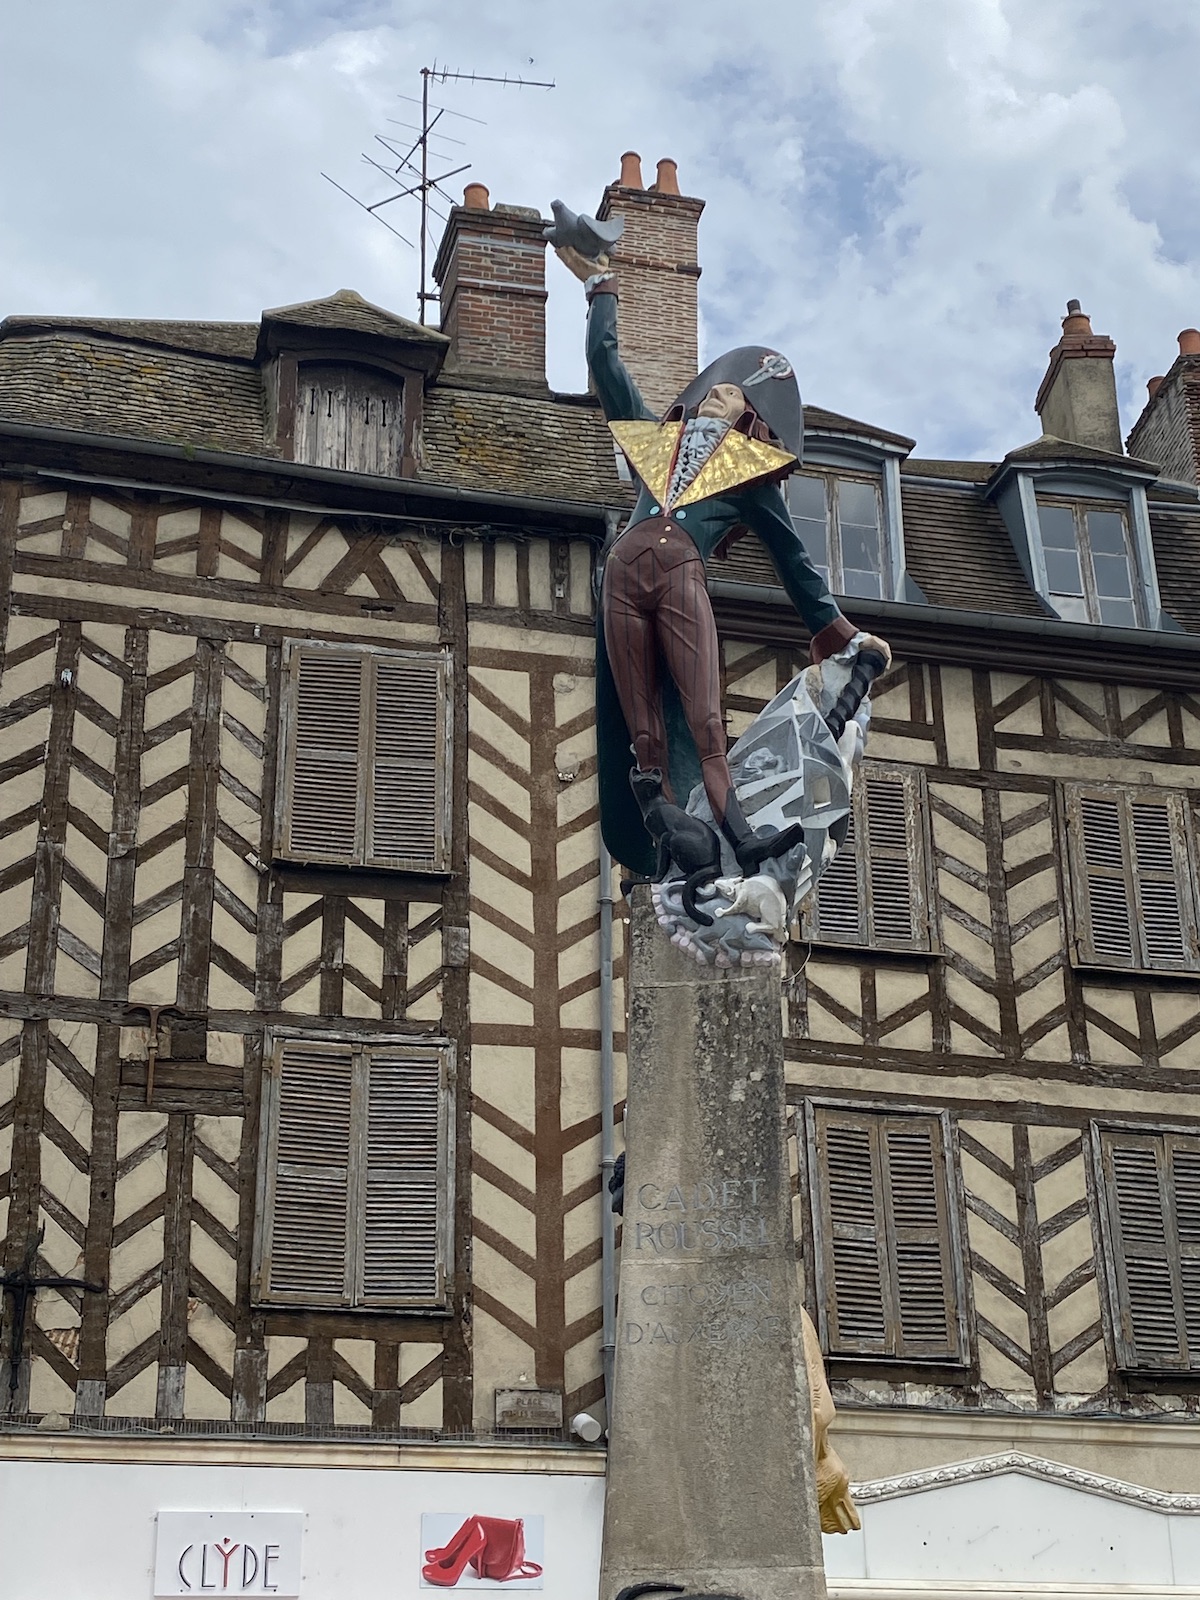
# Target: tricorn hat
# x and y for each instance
(767, 380)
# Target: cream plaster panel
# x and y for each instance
(59, 1249)
(758, 684)
(994, 1136)
(582, 902)
(1033, 1005)
(1120, 1008)
(488, 726)
(141, 1321)
(914, 1035)
(503, 1076)
(306, 1001)
(348, 1408)
(1077, 1313)
(511, 687)
(501, 1361)
(1156, 730)
(236, 873)
(1039, 944)
(960, 844)
(223, 1135)
(397, 557)
(1085, 1374)
(891, 697)
(300, 525)
(428, 1008)
(138, 1187)
(67, 1105)
(1056, 1192)
(224, 991)
(822, 1024)
(362, 587)
(493, 889)
(1045, 1142)
(581, 1228)
(1010, 1319)
(581, 579)
(37, 507)
(1026, 719)
(584, 1010)
(579, 1094)
(136, 1128)
(138, 1398)
(581, 1164)
(580, 961)
(506, 573)
(425, 955)
(298, 620)
(172, 526)
(523, 642)
(359, 1354)
(225, 1049)
(365, 955)
(252, 658)
(473, 572)
(48, 1392)
(243, 765)
(583, 1292)
(240, 554)
(489, 1144)
(280, 1350)
(575, 800)
(91, 861)
(1172, 1011)
(201, 1400)
(1108, 767)
(504, 1282)
(491, 1003)
(954, 895)
(509, 1218)
(972, 999)
(1053, 1046)
(26, 677)
(110, 517)
(958, 718)
(288, 1406)
(426, 1410)
(501, 949)
(899, 747)
(498, 786)
(540, 596)
(215, 1195)
(581, 1365)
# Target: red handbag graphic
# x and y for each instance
(493, 1546)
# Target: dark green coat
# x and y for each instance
(759, 507)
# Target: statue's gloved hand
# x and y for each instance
(872, 641)
(578, 263)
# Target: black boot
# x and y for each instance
(752, 847)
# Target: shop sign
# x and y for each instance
(228, 1553)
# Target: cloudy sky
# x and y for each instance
(902, 194)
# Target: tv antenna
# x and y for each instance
(412, 164)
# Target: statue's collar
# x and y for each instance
(651, 449)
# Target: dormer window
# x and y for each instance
(1089, 562)
(840, 520)
(350, 419)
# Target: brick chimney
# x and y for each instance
(656, 262)
(1168, 430)
(1078, 396)
(491, 271)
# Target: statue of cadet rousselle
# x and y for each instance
(707, 472)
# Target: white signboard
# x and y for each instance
(228, 1553)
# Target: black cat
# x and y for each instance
(691, 844)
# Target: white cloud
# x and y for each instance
(901, 193)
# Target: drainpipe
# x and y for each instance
(608, 1222)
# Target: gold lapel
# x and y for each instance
(737, 460)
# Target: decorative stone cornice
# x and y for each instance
(1016, 1461)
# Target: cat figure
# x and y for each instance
(682, 840)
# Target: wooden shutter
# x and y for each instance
(876, 891)
(324, 801)
(1133, 896)
(1151, 1192)
(887, 1243)
(367, 755)
(350, 420)
(409, 763)
(406, 1184)
(310, 1154)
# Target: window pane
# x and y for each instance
(867, 584)
(1062, 572)
(1112, 577)
(1106, 532)
(860, 549)
(1118, 613)
(1071, 608)
(857, 502)
(814, 537)
(1058, 527)
(806, 496)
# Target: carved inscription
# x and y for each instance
(706, 1313)
(719, 1215)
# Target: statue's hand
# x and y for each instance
(874, 642)
(579, 264)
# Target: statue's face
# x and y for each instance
(724, 401)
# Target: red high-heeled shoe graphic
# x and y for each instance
(493, 1548)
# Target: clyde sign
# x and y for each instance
(228, 1553)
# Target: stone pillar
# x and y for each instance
(711, 1481)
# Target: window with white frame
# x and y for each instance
(1090, 564)
(356, 1181)
(840, 519)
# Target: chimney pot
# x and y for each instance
(476, 197)
(1189, 342)
(1153, 386)
(631, 171)
(667, 181)
(1077, 322)
(1072, 307)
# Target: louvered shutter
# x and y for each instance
(885, 1236)
(1152, 1206)
(325, 789)
(875, 892)
(309, 1179)
(854, 1230)
(409, 761)
(405, 1197)
(1134, 900)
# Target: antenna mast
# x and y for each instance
(408, 167)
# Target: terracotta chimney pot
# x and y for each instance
(1153, 386)
(1076, 321)
(631, 171)
(1189, 342)
(667, 181)
(476, 197)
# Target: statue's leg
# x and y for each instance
(629, 636)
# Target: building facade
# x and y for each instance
(310, 960)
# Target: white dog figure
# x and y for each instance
(759, 897)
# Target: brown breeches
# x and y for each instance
(655, 602)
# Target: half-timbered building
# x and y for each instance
(311, 1013)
